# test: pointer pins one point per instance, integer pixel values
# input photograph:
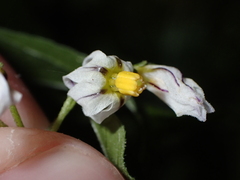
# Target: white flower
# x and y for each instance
(102, 85)
(183, 95)
(8, 96)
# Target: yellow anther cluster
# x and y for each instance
(129, 83)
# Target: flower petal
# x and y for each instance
(99, 59)
(86, 75)
(5, 96)
(84, 83)
(183, 95)
(199, 93)
(127, 66)
(102, 106)
(94, 55)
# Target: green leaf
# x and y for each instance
(41, 59)
(112, 137)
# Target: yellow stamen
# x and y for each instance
(129, 83)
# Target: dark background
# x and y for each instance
(201, 38)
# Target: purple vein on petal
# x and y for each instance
(72, 82)
(122, 100)
(98, 68)
(154, 85)
(119, 62)
(186, 83)
(94, 94)
(90, 95)
(103, 70)
(169, 72)
(197, 98)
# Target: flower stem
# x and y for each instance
(66, 108)
(2, 124)
(16, 116)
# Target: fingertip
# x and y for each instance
(39, 154)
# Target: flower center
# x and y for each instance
(128, 83)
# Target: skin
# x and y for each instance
(34, 153)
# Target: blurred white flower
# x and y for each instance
(183, 95)
(8, 96)
(103, 84)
